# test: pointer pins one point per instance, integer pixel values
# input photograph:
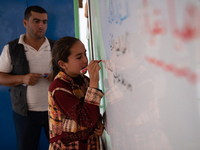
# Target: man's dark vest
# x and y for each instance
(20, 67)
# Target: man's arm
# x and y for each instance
(14, 80)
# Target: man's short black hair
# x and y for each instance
(35, 8)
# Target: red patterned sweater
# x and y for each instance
(73, 113)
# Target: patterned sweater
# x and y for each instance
(73, 113)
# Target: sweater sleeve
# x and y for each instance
(83, 113)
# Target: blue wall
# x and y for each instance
(60, 23)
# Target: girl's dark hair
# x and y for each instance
(61, 51)
(35, 8)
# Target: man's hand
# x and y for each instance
(31, 78)
(48, 76)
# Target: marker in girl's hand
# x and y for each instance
(85, 69)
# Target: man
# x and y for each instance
(24, 63)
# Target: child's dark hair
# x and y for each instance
(35, 8)
(61, 51)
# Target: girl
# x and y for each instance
(74, 99)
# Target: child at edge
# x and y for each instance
(74, 116)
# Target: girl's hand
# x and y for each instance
(99, 130)
(93, 70)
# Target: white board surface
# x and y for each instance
(150, 72)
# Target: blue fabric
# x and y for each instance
(28, 129)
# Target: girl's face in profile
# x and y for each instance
(77, 60)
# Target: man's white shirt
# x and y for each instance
(39, 62)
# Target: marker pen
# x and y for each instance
(45, 75)
(85, 69)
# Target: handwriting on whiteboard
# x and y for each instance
(109, 65)
(154, 21)
(151, 21)
(179, 72)
(190, 29)
(118, 11)
(118, 78)
(114, 77)
(119, 46)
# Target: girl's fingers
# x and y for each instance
(98, 132)
(93, 63)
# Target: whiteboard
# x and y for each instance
(150, 72)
